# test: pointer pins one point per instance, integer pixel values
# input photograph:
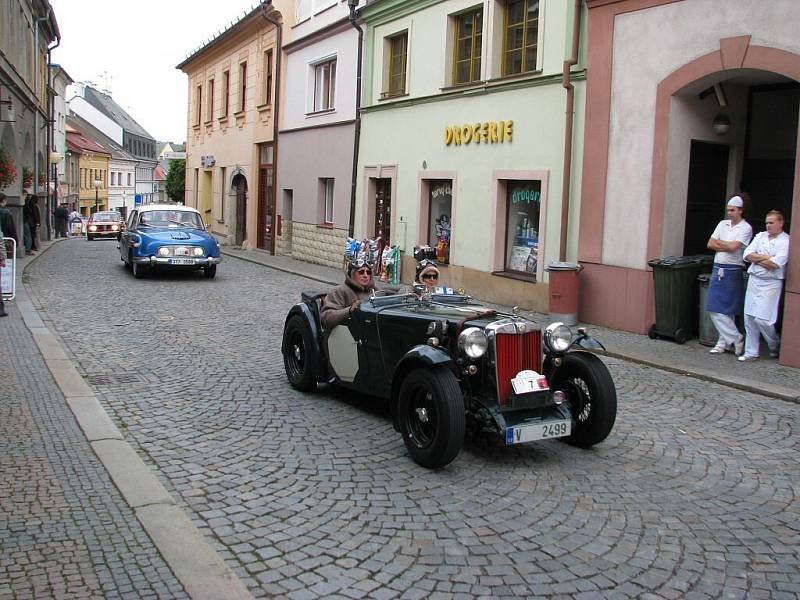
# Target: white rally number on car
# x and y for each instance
(529, 381)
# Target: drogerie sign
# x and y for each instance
(490, 132)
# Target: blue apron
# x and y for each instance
(725, 290)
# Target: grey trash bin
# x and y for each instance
(707, 333)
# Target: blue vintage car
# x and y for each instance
(168, 236)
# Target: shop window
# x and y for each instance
(520, 36)
(397, 53)
(467, 46)
(326, 200)
(523, 204)
(324, 85)
(440, 212)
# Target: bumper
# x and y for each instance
(114, 234)
(189, 262)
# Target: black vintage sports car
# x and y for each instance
(445, 363)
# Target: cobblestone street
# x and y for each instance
(694, 495)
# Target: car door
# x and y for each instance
(124, 241)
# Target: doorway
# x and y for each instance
(706, 194)
(206, 192)
(240, 187)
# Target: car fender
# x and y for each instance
(419, 355)
(305, 313)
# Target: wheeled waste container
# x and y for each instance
(707, 334)
(675, 280)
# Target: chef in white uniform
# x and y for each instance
(768, 254)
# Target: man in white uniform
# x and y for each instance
(726, 285)
(768, 254)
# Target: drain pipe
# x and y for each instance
(357, 130)
(568, 128)
(269, 16)
(51, 204)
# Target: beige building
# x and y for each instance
(231, 154)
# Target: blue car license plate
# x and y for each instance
(181, 261)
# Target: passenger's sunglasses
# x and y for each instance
(430, 276)
(364, 272)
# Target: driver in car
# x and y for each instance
(342, 300)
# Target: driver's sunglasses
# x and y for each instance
(364, 272)
(430, 276)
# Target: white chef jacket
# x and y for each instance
(726, 232)
(777, 248)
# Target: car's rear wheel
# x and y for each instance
(210, 272)
(432, 416)
(298, 355)
(591, 395)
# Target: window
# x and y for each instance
(326, 187)
(199, 106)
(398, 51)
(440, 211)
(523, 204)
(113, 178)
(226, 92)
(324, 85)
(242, 85)
(210, 114)
(129, 178)
(267, 94)
(302, 10)
(467, 57)
(521, 36)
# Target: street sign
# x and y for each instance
(8, 274)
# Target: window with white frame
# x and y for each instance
(324, 85)
(326, 191)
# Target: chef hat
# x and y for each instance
(735, 201)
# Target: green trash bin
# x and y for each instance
(675, 280)
(707, 334)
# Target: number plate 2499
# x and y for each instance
(538, 431)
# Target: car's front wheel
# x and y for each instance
(298, 355)
(138, 269)
(591, 395)
(210, 272)
(432, 416)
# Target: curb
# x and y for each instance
(739, 383)
(200, 569)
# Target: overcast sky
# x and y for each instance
(136, 45)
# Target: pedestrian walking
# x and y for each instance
(74, 222)
(7, 223)
(60, 216)
(27, 225)
(36, 221)
(726, 286)
(767, 254)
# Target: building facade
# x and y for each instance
(93, 165)
(465, 145)
(27, 29)
(317, 134)
(687, 105)
(231, 152)
(59, 81)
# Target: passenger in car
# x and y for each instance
(427, 276)
(342, 300)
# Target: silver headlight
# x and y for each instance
(163, 251)
(473, 342)
(557, 337)
(197, 251)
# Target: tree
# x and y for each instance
(176, 180)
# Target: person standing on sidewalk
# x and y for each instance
(767, 254)
(7, 221)
(3, 257)
(726, 285)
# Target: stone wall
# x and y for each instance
(318, 245)
(283, 243)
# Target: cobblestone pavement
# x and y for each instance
(694, 495)
(65, 532)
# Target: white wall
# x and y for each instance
(88, 112)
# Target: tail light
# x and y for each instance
(515, 352)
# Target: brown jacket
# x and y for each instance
(336, 307)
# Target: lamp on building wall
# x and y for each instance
(96, 183)
(721, 124)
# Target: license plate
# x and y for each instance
(181, 261)
(538, 431)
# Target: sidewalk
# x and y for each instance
(764, 376)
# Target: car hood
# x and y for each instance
(177, 236)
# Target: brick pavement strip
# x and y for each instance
(312, 495)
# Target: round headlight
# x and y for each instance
(163, 251)
(198, 251)
(473, 342)
(92, 227)
(115, 228)
(557, 337)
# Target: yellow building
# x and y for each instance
(92, 172)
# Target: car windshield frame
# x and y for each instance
(171, 219)
(105, 217)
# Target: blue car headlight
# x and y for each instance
(198, 251)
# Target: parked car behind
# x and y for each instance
(107, 223)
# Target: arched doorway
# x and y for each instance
(239, 186)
